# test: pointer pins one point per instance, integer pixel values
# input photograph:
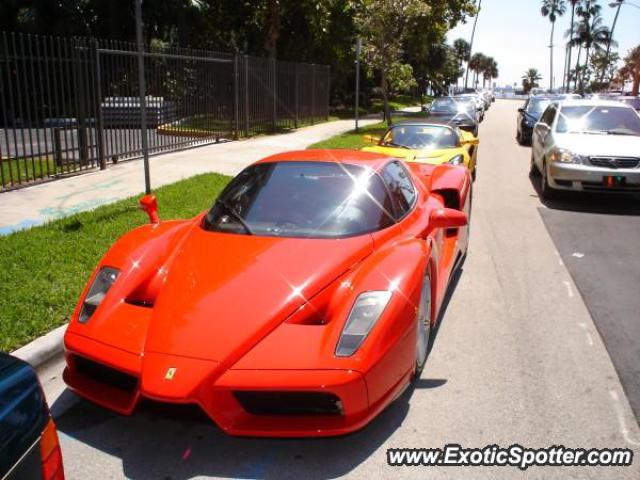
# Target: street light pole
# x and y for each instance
(617, 3)
(358, 47)
(473, 34)
(143, 101)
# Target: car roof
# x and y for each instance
(371, 159)
(584, 102)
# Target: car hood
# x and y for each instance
(222, 293)
(597, 144)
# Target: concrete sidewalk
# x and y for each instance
(35, 205)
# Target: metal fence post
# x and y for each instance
(297, 106)
(236, 107)
(313, 94)
(274, 92)
(57, 146)
(99, 121)
(246, 95)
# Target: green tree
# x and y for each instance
(552, 9)
(569, 50)
(461, 50)
(631, 69)
(530, 79)
(383, 25)
(476, 65)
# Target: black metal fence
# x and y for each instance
(72, 104)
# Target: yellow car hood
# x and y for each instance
(433, 157)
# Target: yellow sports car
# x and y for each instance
(428, 142)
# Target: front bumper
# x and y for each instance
(130, 378)
(580, 177)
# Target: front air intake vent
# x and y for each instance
(289, 403)
(106, 375)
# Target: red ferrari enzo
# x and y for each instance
(300, 304)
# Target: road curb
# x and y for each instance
(43, 348)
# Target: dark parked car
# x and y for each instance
(528, 115)
(29, 447)
(457, 112)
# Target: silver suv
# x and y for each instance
(587, 145)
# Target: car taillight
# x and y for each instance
(51, 454)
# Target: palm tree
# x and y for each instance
(489, 70)
(530, 79)
(595, 36)
(476, 64)
(552, 9)
(461, 51)
(568, 62)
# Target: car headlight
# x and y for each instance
(363, 316)
(565, 156)
(457, 160)
(99, 288)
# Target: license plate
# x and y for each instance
(614, 181)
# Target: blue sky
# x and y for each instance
(517, 36)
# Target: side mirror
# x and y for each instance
(470, 141)
(447, 218)
(371, 138)
(149, 204)
(521, 110)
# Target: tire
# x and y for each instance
(518, 137)
(474, 173)
(423, 326)
(546, 192)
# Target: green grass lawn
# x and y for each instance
(352, 139)
(20, 170)
(43, 269)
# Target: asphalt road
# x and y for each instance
(598, 237)
(517, 359)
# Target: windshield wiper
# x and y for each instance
(391, 144)
(235, 215)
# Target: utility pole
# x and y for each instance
(143, 100)
(613, 27)
(358, 47)
(473, 34)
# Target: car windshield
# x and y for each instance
(538, 105)
(420, 136)
(302, 199)
(452, 105)
(598, 120)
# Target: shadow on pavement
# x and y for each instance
(180, 442)
(590, 202)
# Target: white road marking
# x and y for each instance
(569, 290)
(587, 333)
(619, 413)
(577, 254)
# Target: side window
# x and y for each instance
(548, 115)
(400, 187)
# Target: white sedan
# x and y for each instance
(587, 145)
